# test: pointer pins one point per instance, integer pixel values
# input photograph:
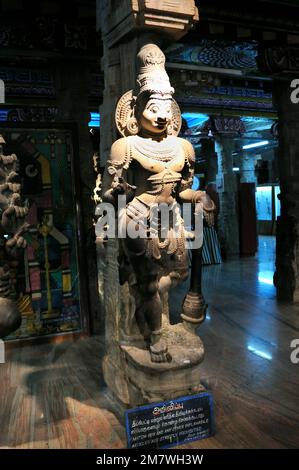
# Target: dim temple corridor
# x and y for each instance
(53, 396)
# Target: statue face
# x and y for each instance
(156, 115)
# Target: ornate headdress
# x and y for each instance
(152, 78)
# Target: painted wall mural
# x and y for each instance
(209, 90)
(216, 53)
(48, 280)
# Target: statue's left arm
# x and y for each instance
(186, 193)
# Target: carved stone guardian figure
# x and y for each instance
(151, 168)
(12, 243)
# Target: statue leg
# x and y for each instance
(149, 306)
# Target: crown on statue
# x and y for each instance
(152, 76)
(152, 79)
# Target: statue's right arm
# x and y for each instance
(115, 172)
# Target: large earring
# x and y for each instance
(133, 126)
(169, 129)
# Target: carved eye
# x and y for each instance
(154, 109)
(31, 171)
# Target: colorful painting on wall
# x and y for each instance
(47, 288)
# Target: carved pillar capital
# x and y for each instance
(273, 60)
(228, 125)
(122, 18)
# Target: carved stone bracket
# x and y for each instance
(224, 125)
(173, 18)
(278, 59)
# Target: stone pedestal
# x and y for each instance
(134, 380)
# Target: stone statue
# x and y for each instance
(12, 242)
(151, 166)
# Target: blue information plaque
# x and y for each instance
(171, 423)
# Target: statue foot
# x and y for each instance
(158, 349)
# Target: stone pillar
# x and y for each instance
(287, 242)
(285, 61)
(119, 73)
(125, 27)
(228, 229)
(224, 129)
(247, 161)
(211, 166)
(247, 168)
(119, 67)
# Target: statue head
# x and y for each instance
(150, 106)
(153, 112)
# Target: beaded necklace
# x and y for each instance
(163, 151)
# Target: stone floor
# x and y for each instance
(53, 396)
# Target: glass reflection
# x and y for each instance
(264, 202)
(266, 277)
(259, 352)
